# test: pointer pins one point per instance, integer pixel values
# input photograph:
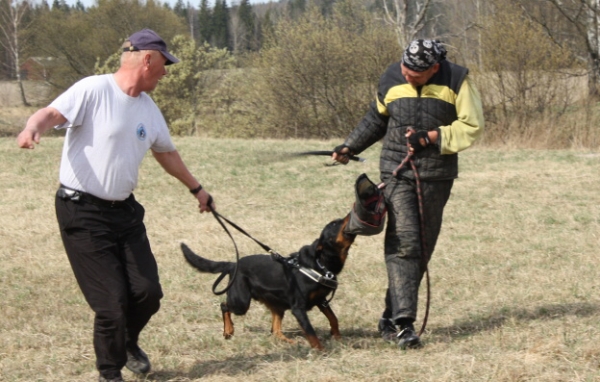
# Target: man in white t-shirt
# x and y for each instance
(111, 123)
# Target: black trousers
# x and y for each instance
(403, 250)
(114, 266)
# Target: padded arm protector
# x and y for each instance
(370, 129)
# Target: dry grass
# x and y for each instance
(514, 277)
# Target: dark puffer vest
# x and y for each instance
(398, 107)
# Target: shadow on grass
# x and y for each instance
(244, 364)
(482, 323)
(363, 338)
(238, 365)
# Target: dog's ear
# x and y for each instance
(305, 249)
(318, 246)
(308, 251)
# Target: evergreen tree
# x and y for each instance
(248, 21)
(38, 10)
(60, 6)
(204, 22)
(296, 8)
(181, 9)
(326, 7)
(220, 35)
(266, 26)
(44, 5)
(79, 6)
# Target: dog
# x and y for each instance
(297, 283)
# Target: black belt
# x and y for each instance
(66, 193)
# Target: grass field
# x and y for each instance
(514, 279)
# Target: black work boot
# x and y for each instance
(113, 379)
(137, 360)
(407, 338)
(388, 330)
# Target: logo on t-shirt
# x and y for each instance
(141, 132)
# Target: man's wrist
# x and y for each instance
(196, 190)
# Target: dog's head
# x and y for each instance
(334, 243)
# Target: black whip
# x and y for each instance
(330, 153)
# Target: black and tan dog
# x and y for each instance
(297, 283)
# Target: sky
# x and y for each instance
(87, 3)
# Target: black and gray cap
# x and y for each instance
(423, 54)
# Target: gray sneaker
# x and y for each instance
(137, 361)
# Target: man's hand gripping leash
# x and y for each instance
(417, 141)
(205, 201)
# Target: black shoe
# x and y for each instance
(137, 361)
(388, 330)
(116, 379)
(408, 339)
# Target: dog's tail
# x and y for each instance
(205, 265)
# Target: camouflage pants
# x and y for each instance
(403, 255)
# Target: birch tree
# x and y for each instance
(12, 14)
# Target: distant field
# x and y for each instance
(36, 92)
(13, 114)
(515, 291)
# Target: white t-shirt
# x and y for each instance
(108, 136)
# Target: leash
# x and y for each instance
(327, 279)
(424, 249)
(220, 218)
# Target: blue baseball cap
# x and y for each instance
(147, 39)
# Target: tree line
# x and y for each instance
(309, 68)
(238, 26)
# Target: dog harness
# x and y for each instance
(327, 278)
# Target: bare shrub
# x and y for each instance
(317, 75)
(528, 90)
